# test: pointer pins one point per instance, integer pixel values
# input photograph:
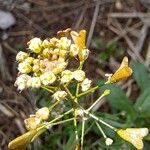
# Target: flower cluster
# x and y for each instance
(45, 66)
(48, 59)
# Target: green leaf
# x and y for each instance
(104, 55)
(119, 100)
(71, 142)
(141, 76)
(143, 103)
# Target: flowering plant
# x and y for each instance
(46, 66)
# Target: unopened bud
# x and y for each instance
(32, 123)
(64, 43)
(48, 78)
(85, 85)
(43, 113)
(21, 56)
(46, 43)
(36, 82)
(35, 45)
(79, 75)
(66, 76)
(24, 67)
(106, 92)
(108, 141)
(59, 95)
(29, 60)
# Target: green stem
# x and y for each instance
(88, 91)
(59, 122)
(75, 126)
(51, 87)
(60, 116)
(97, 119)
(52, 106)
(82, 133)
(68, 92)
(43, 87)
(101, 130)
(81, 65)
(77, 89)
(95, 102)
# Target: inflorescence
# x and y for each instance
(45, 65)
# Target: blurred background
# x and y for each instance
(115, 28)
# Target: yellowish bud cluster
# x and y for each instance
(48, 60)
(67, 76)
(34, 121)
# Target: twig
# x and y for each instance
(56, 7)
(120, 31)
(95, 15)
(129, 15)
(82, 133)
(37, 27)
(19, 33)
(9, 48)
(79, 20)
(142, 37)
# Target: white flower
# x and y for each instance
(64, 43)
(35, 82)
(35, 45)
(74, 49)
(21, 81)
(46, 52)
(48, 78)
(36, 68)
(24, 67)
(54, 41)
(66, 76)
(85, 85)
(29, 60)
(78, 75)
(108, 141)
(60, 67)
(21, 56)
(43, 113)
(32, 122)
(59, 95)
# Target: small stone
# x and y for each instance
(6, 20)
